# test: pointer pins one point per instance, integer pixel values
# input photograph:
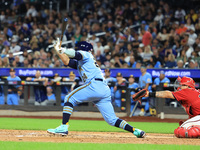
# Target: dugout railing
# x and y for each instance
(56, 106)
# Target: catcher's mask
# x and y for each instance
(183, 81)
(85, 46)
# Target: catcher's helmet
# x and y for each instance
(85, 46)
(184, 81)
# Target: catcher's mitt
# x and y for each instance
(139, 94)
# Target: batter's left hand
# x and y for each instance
(57, 47)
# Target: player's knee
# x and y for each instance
(72, 101)
(190, 132)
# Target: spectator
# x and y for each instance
(189, 24)
(182, 56)
(6, 63)
(132, 63)
(192, 64)
(147, 54)
(180, 14)
(159, 17)
(146, 37)
(13, 90)
(18, 63)
(163, 36)
(14, 47)
(180, 64)
(171, 62)
(40, 91)
(192, 15)
(100, 57)
(31, 11)
(138, 64)
(99, 47)
(182, 29)
(41, 27)
(156, 58)
(25, 45)
(11, 58)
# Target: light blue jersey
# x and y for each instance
(1, 95)
(88, 68)
(134, 86)
(144, 79)
(16, 78)
(157, 81)
(94, 89)
(51, 97)
(13, 97)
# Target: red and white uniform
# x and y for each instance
(190, 100)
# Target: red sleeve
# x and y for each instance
(181, 95)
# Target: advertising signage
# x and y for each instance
(64, 72)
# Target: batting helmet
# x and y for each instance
(85, 46)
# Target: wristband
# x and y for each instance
(152, 94)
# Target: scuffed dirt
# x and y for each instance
(93, 137)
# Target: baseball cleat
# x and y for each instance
(61, 130)
(139, 133)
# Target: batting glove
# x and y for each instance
(57, 47)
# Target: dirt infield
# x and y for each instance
(93, 137)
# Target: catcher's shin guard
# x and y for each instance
(180, 132)
(190, 132)
(193, 131)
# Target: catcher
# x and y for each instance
(189, 97)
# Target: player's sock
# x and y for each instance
(124, 125)
(67, 111)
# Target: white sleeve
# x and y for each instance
(70, 52)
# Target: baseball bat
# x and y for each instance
(131, 114)
(64, 24)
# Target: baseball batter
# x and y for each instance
(189, 97)
(94, 90)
